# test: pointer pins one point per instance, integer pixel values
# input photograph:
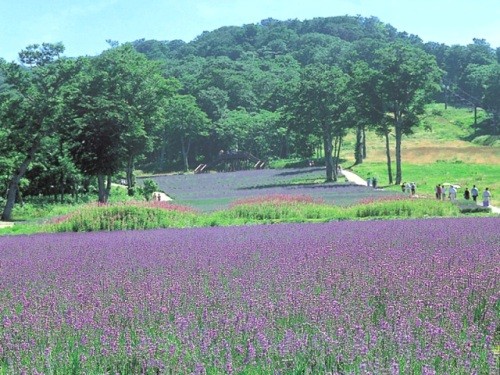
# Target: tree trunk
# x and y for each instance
(337, 156)
(130, 175)
(327, 144)
(364, 142)
(334, 155)
(388, 155)
(108, 187)
(358, 148)
(16, 178)
(102, 189)
(399, 137)
(185, 152)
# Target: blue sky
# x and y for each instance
(84, 25)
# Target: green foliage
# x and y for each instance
(150, 186)
(407, 208)
(123, 217)
(264, 210)
(487, 140)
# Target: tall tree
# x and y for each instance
(186, 122)
(321, 107)
(115, 107)
(409, 76)
(366, 103)
(491, 97)
(32, 105)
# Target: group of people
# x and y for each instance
(409, 188)
(450, 191)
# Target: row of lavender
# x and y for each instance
(214, 191)
(413, 296)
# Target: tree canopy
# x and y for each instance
(274, 88)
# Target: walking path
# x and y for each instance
(163, 197)
(353, 177)
(5, 224)
(494, 210)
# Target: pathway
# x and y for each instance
(494, 210)
(5, 224)
(353, 177)
(163, 197)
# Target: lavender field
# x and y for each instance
(396, 297)
(212, 191)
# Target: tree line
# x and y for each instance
(275, 89)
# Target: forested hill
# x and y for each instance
(272, 37)
(275, 89)
(234, 71)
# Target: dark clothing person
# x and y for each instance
(467, 194)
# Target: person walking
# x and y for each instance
(444, 192)
(467, 194)
(453, 193)
(407, 188)
(474, 193)
(486, 197)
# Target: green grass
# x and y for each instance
(427, 176)
(264, 211)
(447, 124)
(37, 208)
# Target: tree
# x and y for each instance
(491, 98)
(409, 76)
(366, 103)
(321, 108)
(31, 106)
(186, 122)
(114, 109)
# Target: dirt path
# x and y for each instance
(6, 224)
(353, 177)
(163, 197)
(494, 210)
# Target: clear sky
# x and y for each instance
(84, 25)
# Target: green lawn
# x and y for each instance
(427, 176)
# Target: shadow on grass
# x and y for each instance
(301, 171)
(311, 185)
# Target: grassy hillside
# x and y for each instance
(444, 148)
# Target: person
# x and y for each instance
(374, 182)
(368, 181)
(453, 192)
(444, 191)
(407, 188)
(474, 193)
(438, 192)
(486, 197)
(159, 197)
(413, 188)
(467, 194)
(403, 184)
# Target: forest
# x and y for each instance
(275, 89)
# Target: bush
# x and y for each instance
(149, 188)
(123, 217)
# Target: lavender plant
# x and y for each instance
(412, 296)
